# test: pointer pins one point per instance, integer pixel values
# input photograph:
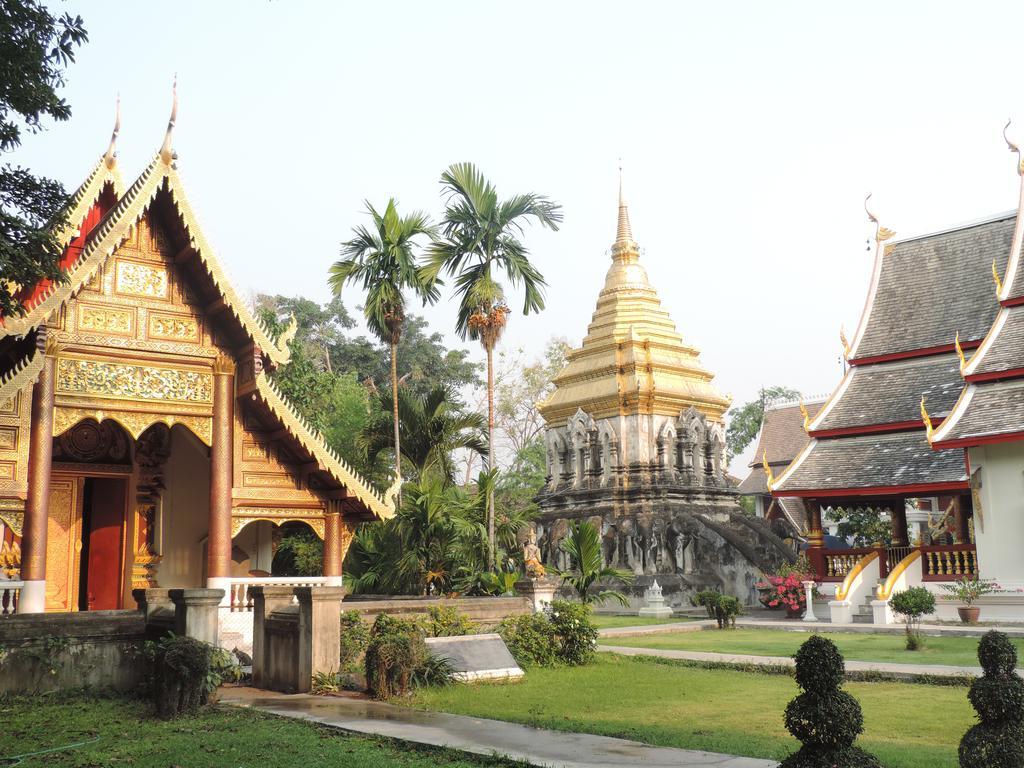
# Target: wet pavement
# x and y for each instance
(554, 749)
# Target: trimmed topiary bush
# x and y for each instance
(180, 672)
(998, 697)
(825, 718)
(912, 604)
(722, 608)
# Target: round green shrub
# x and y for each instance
(576, 633)
(913, 602)
(530, 639)
(998, 697)
(825, 719)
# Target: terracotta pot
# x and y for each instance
(795, 613)
(969, 614)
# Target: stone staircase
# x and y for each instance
(865, 614)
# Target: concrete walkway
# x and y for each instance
(782, 625)
(908, 671)
(477, 736)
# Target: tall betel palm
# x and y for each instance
(382, 259)
(480, 236)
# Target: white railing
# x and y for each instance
(238, 598)
(10, 591)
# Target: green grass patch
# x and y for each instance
(217, 738)
(955, 651)
(608, 621)
(717, 710)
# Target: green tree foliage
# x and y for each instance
(518, 486)
(520, 386)
(382, 259)
(481, 240)
(863, 526)
(584, 547)
(745, 420)
(432, 426)
(299, 553)
(436, 542)
(913, 604)
(36, 47)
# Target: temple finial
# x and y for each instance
(805, 414)
(996, 278)
(624, 233)
(845, 343)
(929, 429)
(166, 153)
(960, 353)
(1013, 148)
(110, 157)
(881, 233)
(769, 475)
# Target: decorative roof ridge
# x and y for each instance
(1005, 288)
(25, 372)
(881, 235)
(955, 414)
(969, 224)
(778, 403)
(311, 439)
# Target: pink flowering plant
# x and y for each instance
(785, 592)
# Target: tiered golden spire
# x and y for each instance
(624, 242)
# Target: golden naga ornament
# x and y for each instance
(998, 280)
(881, 233)
(806, 415)
(960, 353)
(767, 469)
(846, 344)
(927, 420)
(1013, 148)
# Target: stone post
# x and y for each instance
(40, 459)
(266, 600)
(196, 613)
(809, 613)
(319, 632)
(154, 603)
(218, 566)
(540, 592)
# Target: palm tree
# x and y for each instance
(480, 236)
(584, 547)
(433, 426)
(382, 259)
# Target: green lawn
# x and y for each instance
(221, 737)
(906, 725)
(958, 651)
(608, 621)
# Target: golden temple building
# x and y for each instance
(142, 439)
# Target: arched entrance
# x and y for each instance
(89, 518)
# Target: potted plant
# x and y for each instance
(786, 592)
(967, 590)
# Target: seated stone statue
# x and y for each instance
(531, 557)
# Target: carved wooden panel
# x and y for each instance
(15, 416)
(63, 543)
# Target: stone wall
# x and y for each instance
(485, 611)
(53, 651)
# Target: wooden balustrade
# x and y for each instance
(238, 589)
(838, 562)
(948, 562)
(9, 592)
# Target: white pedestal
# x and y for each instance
(540, 592)
(841, 611)
(809, 613)
(882, 612)
(32, 598)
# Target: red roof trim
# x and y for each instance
(878, 490)
(913, 353)
(1013, 301)
(967, 442)
(1012, 373)
(898, 426)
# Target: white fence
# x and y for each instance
(9, 594)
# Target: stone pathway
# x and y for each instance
(908, 671)
(808, 626)
(552, 749)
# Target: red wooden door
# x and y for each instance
(106, 534)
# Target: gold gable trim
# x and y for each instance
(21, 376)
(112, 231)
(380, 505)
(134, 422)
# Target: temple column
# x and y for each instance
(815, 538)
(40, 459)
(218, 549)
(899, 523)
(332, 548)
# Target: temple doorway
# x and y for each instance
(101, 564)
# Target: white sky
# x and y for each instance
(750, 134)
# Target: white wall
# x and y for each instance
(186, 511)
(999, 527)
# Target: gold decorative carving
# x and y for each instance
(105, 319)
(174, 327)
(238, 522)
(14, 518)
(224, 365)
(255, 452)
(136, 422)
(8, 438)
(267, 480)
(9, 407)
(141, 280)
(62, 524)
(125, 381)
(8, 470)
